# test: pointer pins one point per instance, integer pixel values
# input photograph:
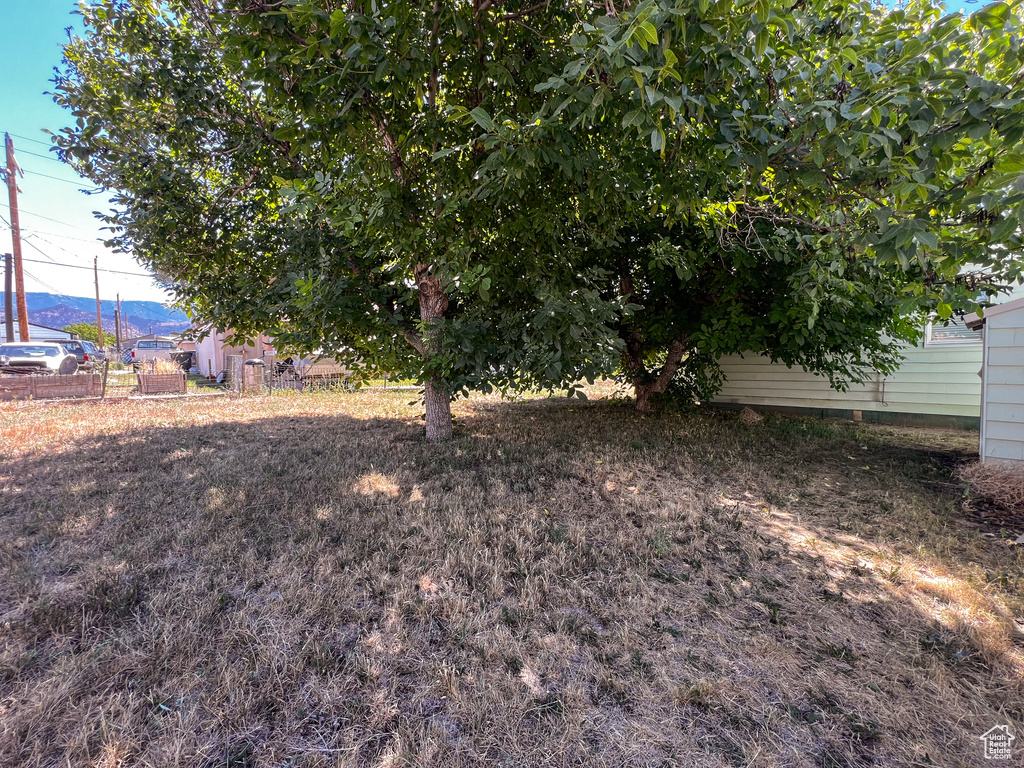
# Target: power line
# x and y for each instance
(36, 154)
(53, 245)
(69, 253)
(77, 266)
(56, 178)
(75, 255)
(36, 248)
(55, 221)
(34, 141)
(45, 285)
(37, 232)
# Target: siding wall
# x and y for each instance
(212, 352)
(1002, 432)
(933, 381)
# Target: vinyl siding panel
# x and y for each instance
(1011, 412)
(1005, 393)
(933, 380)
(1005, 450)
(1001, 337)
(1003, 427)
(1004, 430)
(1006, 374)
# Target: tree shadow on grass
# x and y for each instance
(563, 584)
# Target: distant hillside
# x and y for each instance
(57, 311)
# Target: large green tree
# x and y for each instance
(806, 180)
(288, 169)
(519, 194)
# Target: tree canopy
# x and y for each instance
(510, 194)
(87, 331)
(807, 180)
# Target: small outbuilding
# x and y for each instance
(1002, 383)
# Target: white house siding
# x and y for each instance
(37, 332)
(1002, 432)
(938, 384)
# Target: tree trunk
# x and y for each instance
(439, 412)
(644, 389)
(433, 304)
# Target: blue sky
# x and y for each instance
(57, 219)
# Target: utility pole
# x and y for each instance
(117, 326)
(19, 277)
(124, 325)
(99, 317)
(8, 299)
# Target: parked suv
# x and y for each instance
(36, 357)
(96, 354)
(78, 349)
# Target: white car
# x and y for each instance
(38, 357)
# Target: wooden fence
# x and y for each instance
(49, 387)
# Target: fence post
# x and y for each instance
(103, 390)
(235, 363)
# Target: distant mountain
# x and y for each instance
(57, 311)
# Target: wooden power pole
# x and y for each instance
(124, 320)
(19, 277)
(8, 299)
(99, 317)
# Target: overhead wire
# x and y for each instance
(26, 138)
(79, 266)
(55, 221)
(34, 231)
(36, 154)
(57, 178)
(32, 245)
(38, 235)
(56, 263)
(49, 287)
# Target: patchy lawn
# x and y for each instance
(303, 581)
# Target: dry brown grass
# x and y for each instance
(159, 365)
(1001, 485)
(303, 581)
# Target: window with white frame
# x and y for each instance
(954, 334)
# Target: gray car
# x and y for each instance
(78, 349)
(36, 357)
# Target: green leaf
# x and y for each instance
(1011, 163)
(338, 22)
(992, 16)
(481, 118)
(657, 140)
(649, 32)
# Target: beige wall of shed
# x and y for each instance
(212, 352)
